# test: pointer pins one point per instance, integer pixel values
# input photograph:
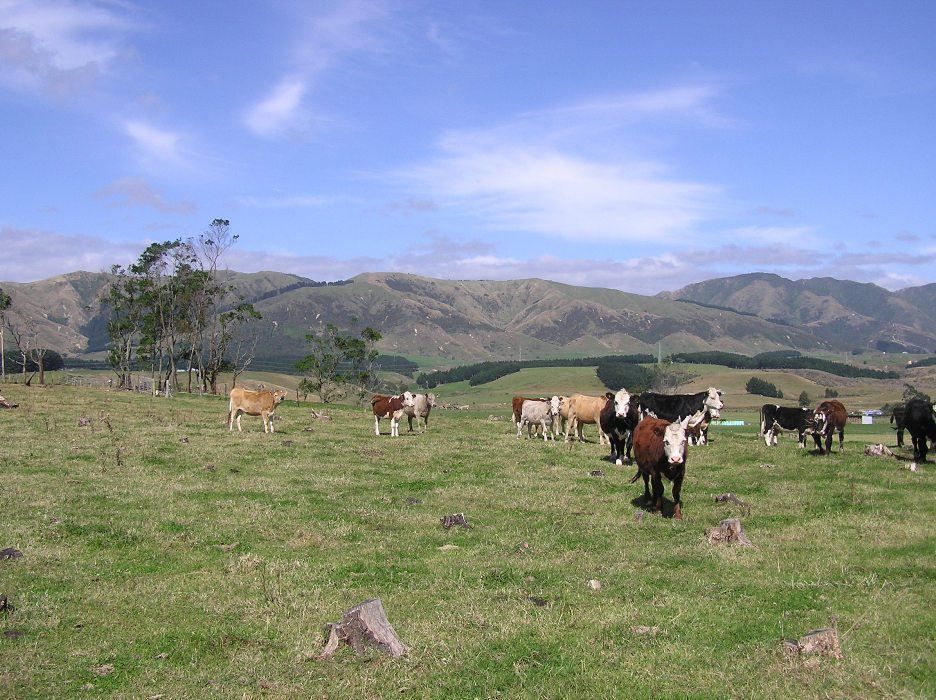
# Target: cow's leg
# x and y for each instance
(828, 442)
(818, 438)
(376, 425)
(628, 445)
(546, 430)
(409, 420)
(677, 489)
(923, 449)
(230, 420)
(239, 414)
(519, 427)
(646, 479)
(801, 439)
(657, 492)
(841, 440)
(900, 442)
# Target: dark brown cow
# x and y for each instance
(390, 407)
(660, 450)
(830, 417)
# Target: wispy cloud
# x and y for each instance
(323, 38)
(286, 201)
(136, 192)
(58, 48)
(155, 145)
(33, 254)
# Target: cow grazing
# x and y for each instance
(775, 419)
(660, 450)
(617, 420)
(675, 407)
(829, 417)
(535, 412)
(920, 422)
(422, 404)
(585, 409)
(517, 405)
(392, 407)
(253, 403)
(897, 420)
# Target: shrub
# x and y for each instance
(763, 388)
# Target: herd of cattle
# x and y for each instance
(656, 427)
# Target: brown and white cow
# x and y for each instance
(830, 417)
(254, 403)
(392, 407)
(517, 405)
(660, 449)
(585, 409)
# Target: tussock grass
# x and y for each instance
(208, 568)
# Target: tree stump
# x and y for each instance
(728, 530)
(824, 642)
(6, 404)
(878, 450)
(450, 521)
(363, 625)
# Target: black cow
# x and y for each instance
(897, 416)
(921, 424)
(775, 419)
(675, 407)
(617, 420)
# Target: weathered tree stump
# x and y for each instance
(361, 626)
(5, 604)
(728, 530)
(878, 450)
(824, 642)
(725, 497)
(6, 404)
(10, 553)
(450, 521)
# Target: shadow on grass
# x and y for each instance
(647, 506)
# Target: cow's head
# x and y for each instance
(621, 403)
(820, 421)
(431, 400)
(279, 396)
(555, 404)
(409, 398)
(713, 401)
(674, 441)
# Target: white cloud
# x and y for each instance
(322, 39)
(155, 144)
(279, 112)
(59, 47)
(133, 191)
(540, 189)
(34, 254)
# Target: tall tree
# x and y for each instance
(360, 354)
(321, 366)
(6, 301)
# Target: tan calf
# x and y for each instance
(254, 403)
(585, 409)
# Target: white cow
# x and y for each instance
(539, 412)
(422, 404)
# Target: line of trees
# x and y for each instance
(29, 356)
(169, 310)
(783, 359)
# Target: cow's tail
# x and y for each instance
(635, 477)
(230, 411)
(763, 421)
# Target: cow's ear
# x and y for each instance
(609, 395)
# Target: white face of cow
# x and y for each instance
(430, 400)
(820, 422)
(555, 403)
(713, 402)
(674, 441)
(621, 403)
(409, 398)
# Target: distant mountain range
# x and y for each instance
(465, 321)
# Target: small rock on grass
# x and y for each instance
(594, 584)
(644, 630)
(448, 547)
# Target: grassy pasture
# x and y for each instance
(208, 567)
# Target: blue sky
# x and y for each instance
(635, 145)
